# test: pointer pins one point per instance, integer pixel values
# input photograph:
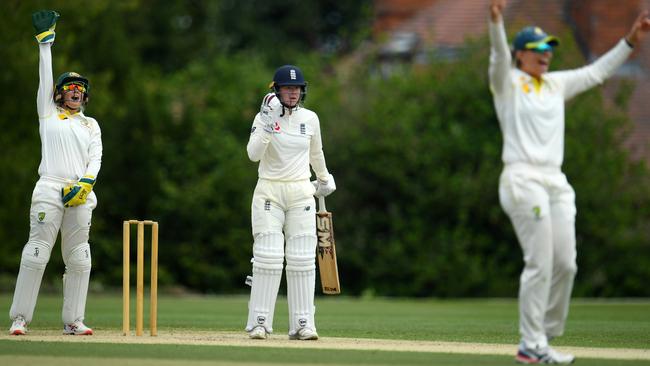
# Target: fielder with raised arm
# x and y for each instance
(533, 191)
(71, 153)
(286, 140)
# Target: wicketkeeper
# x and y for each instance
(71, 153)
(286, 140)
(533, 190)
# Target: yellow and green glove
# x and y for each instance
(76, 194)
(44, 22)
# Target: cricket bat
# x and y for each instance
(326, 250)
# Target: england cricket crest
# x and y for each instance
(326, 250)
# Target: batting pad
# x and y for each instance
(301, 278)
(268, 255)
(75, 284)
(32, 265)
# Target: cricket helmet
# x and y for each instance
(534, 38)
(70, 77)
(289, 75)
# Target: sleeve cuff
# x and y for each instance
(45, 37)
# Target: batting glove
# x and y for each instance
(76, 194)
(270, 104)
(324, 187)
(44, 22)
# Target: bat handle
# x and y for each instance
(321, 204)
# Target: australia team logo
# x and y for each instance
(41, 217)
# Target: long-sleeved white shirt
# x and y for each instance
(532, 121)
(71, 144)
(287, 154)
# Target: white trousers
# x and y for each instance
(48, 216)
(283, 211)
(541, 206)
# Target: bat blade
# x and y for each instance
(326, 251)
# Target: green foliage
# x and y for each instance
(416, 156)
(419, 167)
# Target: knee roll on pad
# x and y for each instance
(36, 255)
(268, 251)
(301, 252)
(79, 258)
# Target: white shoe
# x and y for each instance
(304, 334)
(560, 357)
(77, 328)
(258, 332)
(542, 355)
(19, 326)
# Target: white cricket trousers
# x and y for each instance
(283, 211)
(541, 205)
(47, 216)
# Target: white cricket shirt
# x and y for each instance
(71, 145)
(287, 154)
(532, 119)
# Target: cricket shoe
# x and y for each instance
(19, 326)
(545, 355)
(304, 334)
(77, 328)
(258, 332)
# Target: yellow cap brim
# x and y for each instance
(550, 40)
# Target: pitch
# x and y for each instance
(354, 331)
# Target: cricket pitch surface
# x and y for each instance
(240, 339)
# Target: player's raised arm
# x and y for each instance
(263, 127)
(44, 22)
(579, 80)
(500, 58)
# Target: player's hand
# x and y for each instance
(44, 22)
(324, 187)
(76, 194)
(496, 9)
(639, 29)
(268, 111)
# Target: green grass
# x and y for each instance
(592, 323)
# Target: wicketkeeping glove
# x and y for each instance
(44, 22)
(270, 104)
(76, 194)
(324, 187)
